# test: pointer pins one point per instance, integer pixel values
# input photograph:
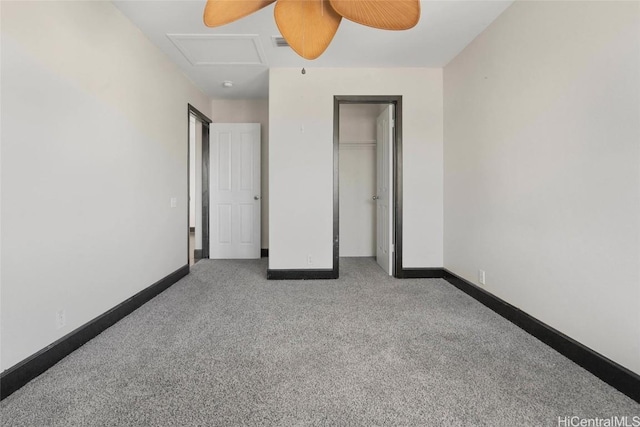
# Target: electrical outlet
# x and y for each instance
(309, 259)
(61, 319)
(174, 202)
(482, 277)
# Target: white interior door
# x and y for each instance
(384, 187)
(234, 228)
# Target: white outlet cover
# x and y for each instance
(481, 277)
(60, 319)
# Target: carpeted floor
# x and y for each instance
(224, 346)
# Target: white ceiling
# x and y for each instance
(176, 27)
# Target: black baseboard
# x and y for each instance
(301, 274)
(607, 370)
(420, 273)
(18, 375)
(197, 253)
(264, 253)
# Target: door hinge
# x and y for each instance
(393, 247)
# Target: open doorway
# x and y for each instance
(198, 185)
(367, 180)
(366, 185)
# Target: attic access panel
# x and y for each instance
(220, 49)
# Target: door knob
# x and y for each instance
(376, 197)
(256, 197)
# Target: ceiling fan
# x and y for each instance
(309, 25)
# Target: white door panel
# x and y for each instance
(235, 190)
(384, 186)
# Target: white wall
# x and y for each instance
(250, 111)
(358, 179)
(94, 145)
(542, 152)
(301, 160)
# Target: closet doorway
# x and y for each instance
(367, 203)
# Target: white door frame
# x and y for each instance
(396, 100)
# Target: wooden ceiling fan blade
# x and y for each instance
(307, 25)
(383, 14)
(220, 12)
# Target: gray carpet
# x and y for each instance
(224, 346)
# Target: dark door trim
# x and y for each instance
(396, 100)
(205, 190)
(193, 111)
